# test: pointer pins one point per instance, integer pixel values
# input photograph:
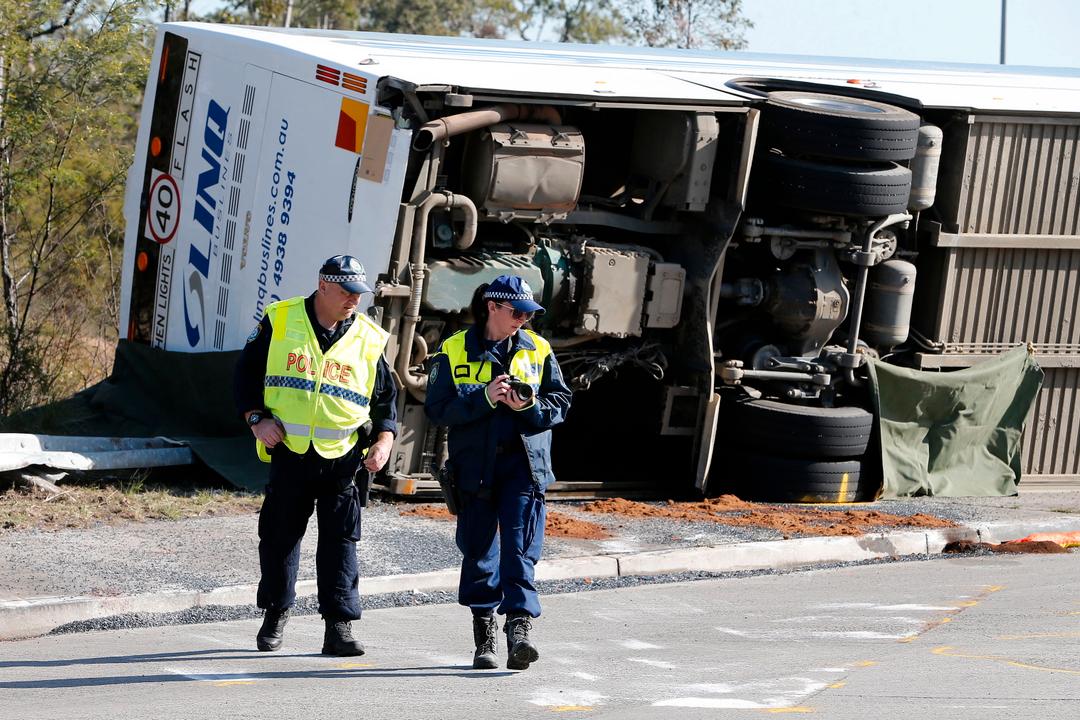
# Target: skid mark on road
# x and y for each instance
(949, 651)
(954, 611)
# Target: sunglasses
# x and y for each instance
(518, 314)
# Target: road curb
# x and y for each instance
(30, 617)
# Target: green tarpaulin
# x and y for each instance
(150, 393)
(954, 433)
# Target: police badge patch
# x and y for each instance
(255, 333)
(434, 372)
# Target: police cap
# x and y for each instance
(346, 271)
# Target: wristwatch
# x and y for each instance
(255, 418)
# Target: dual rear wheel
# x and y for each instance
(778, 452)
(835, 155)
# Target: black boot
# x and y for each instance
(520, 650)
(272, 631)
(484, 628)
(338, 639)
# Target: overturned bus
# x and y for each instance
(722, 240)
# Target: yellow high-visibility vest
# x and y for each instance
(320, 400)
(527, 365)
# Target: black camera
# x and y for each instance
(523, 389)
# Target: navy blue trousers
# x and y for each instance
(501, 536)
(298, 485)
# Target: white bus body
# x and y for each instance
(261, 152)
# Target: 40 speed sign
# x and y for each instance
(163, 207)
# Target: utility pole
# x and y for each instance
(1001, 60)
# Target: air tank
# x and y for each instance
(887, 317)
(924, 168)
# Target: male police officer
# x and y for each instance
(315, 390)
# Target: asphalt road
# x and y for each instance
(973, 637)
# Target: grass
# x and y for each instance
(143, 495)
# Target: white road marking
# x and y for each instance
(586, 676)
(763, 694)
(893, 608)
(861, 618)
(712, 703)
(632, 644)
(860, 635)
(653, 663)
(551, 697)
(788, 635)
(233, 676)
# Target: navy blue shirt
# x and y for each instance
(251, 372)
(505, 424)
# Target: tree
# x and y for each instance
(715, 24)
(70, 73)
(586, 21)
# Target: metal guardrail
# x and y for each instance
(22, 450)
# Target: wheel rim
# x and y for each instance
(836, 104)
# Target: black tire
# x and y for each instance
(799, 480)
(835, 189)
(838, 128)
(801, 431)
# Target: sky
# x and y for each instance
(1038, 32)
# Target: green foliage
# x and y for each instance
(712, 24)
(587, 21)
(71, 75)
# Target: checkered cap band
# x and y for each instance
(507, 296)
(362, 277)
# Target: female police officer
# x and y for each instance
(498, 388)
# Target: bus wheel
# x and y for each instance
(838, 128)
(800, 431)
(833, 188)
(769, 478)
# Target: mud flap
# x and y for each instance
(706, 442)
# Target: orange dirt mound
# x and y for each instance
(558, 524)
(788, 520)
(1035, 547)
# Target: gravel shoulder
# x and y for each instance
(206, 553)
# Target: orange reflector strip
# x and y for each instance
(353, 82)
(164, 59)
(155, 146)
(141, 261)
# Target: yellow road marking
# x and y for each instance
(968, 603)
(571, 708)
(796, 709)
(946, 651)
(351, 665)
(994, 588)
(223, 683)
(866, 663)
(837, 685)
